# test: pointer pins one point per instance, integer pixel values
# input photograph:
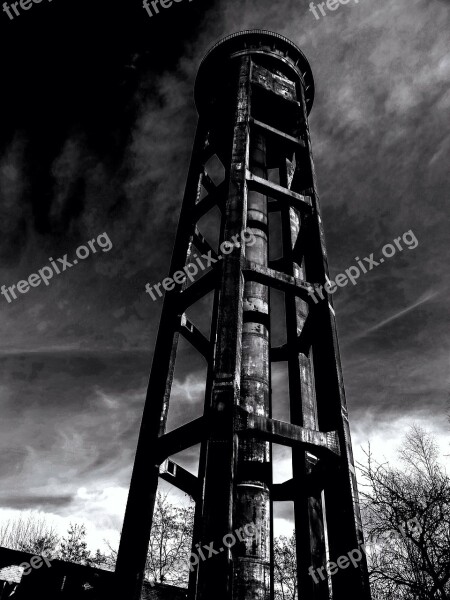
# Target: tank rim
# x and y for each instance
(302, 61)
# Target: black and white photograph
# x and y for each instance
(224, 300)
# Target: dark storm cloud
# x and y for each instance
(379, 135)
(75, 355)
(74, 421)
(49, 503)
(71, 419)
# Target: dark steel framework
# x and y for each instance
(254, 91)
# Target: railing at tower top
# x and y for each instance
(255, 40)
(259, 33)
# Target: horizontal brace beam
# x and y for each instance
(276, 132)
(181, 478)
(198, 289)
(214, 198)
(314, 483)
(302, 344)
(195, 337)
(202, 244)
(277, 263)
(277, 192)
(181, 438)
(280, 281)
(279, 353)
(282, 492)
(286, 434)
(274, 206)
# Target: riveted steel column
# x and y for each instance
(308, 514)
(344, 529)
(133, 548)
(214, 579)
(253, 469)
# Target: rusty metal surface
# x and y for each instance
(214, 579)
(254, 117)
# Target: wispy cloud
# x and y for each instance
(75, 357)
(422, 300)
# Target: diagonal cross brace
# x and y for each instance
(181, 478)
(202, 244)
(208, 183)
(302, 344)
(198, 289)
(214, 198)
(195, 337)
(181, 438)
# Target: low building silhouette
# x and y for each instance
(66, 581)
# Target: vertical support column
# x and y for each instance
(198, 517)
(343, 517)
(308, 514)
(214, 580)
(133, 548)
(253, 468)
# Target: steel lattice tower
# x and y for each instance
(254, 91)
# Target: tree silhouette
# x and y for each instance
(74, 547)
(408, 562)
(30, 532)
(285, 568)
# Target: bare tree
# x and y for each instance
(170, 543)
(169, 547)
(30, 532)
(407, 522)
(104, 560)
(285, 568)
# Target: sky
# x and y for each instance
(97, 123)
